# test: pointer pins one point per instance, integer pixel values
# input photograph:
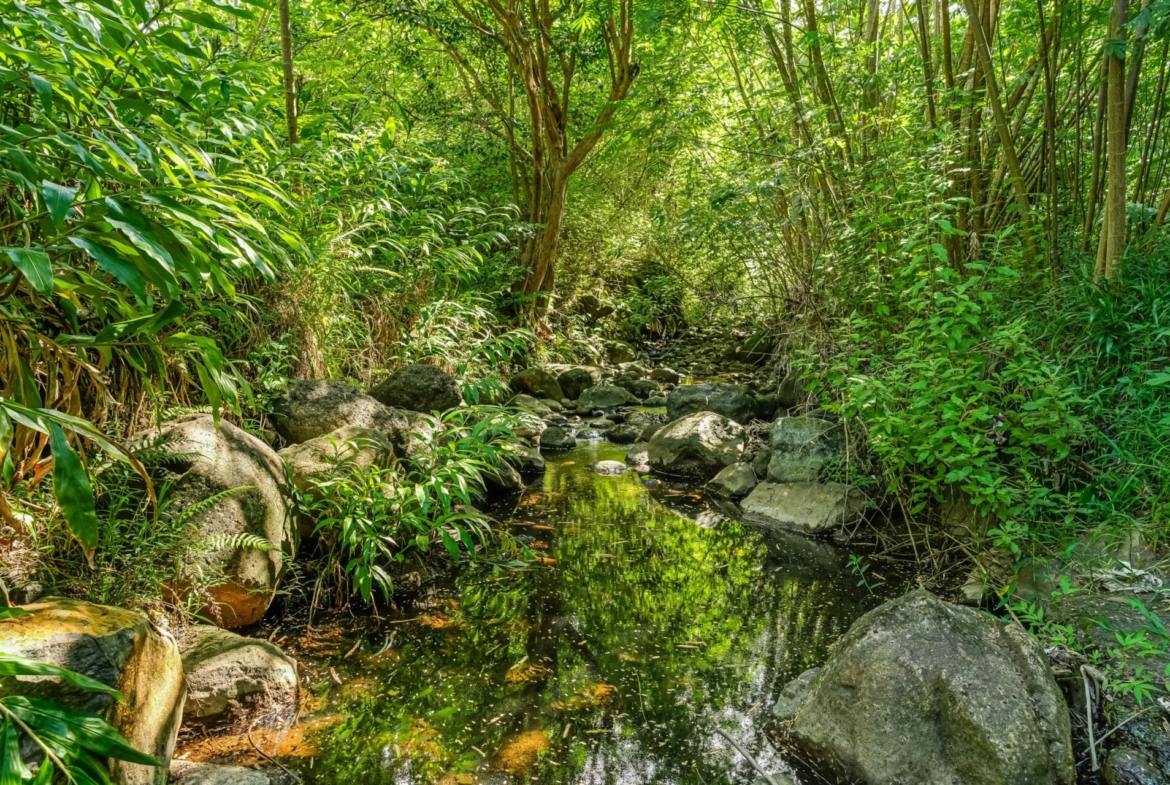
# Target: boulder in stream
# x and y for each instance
(185, 772)
(801, 446)
(604, 396)
(609, 468)
(307, 410)
(557, 438)
(735, 481)
(231, 678)
(119, 648)
(733, 401)
(697, 445)
(537, 382)
(419, 388)
(921, 691)
(575, 381)
(809, 507)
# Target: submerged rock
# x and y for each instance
(698, 445)
(610, 468)
(307, 410)
(538, 382)
(237, 679)
(119, 648)
(211, 461)
(920, 691)
(801, 446)
(420, 388)
(733, 401)
(735, 481)
(809, 507)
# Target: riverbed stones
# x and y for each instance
(808, 507)
(420, 388)
(575, 381)
(208, 461)
(923, 691)
(557, 438)
(733, 401)
(697, 445)
(664, 374)
(529, 404)
(185, 772)
(733, 482)
(609, 468)
(231, 678)
(801, 446)
(117, 647)
(604, 396)
(306, 410)
(537, 382)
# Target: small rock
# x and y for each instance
(1130, 767)
(503, 479)
(590, 434)
(644, 389)
(633, 370)
(609, 468)
(624, 434)
(656, 400)
(232, 678)
(557, 438)
(420, 388)
(808, 507)
(361, 447)
(530, 404)
(639, 455)
(537, 382)
(735, 481)
(664, 374)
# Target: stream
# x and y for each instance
(653, 621)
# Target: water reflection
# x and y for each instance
(615, 664)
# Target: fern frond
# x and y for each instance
(222, 542)
(206, 504)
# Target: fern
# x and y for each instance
(205, 504)
(238, 541)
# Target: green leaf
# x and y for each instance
(123, 271)
(1158, 380)
(11, 665)
(35, 265)
(44, 90)
(12, 613)
(204, 19)
(89, 730)
(12, 768)
(73, 491)
(58, 200)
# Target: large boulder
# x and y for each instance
(537, 382)
(213, 461)
(733, 401)
(920, 691)
(575, 381)
(348, 445)
(604, 396)
(698, 445)
(810, 507)
(801, 446)
(557, 438)
(307, 410)
(235, 679)
(119, 648)
(420, 388)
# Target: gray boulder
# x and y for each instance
(809, 507)
(119, 648)
(645, 389)
(624, 434)
(698, 445)
(1130, 767)
(793, 696)
(610, 468)
(920, 691)
(733, 401)
(530, 404)
(307, 410)
(213, 461)
(420, 388)
(801, 446)
(735, 481)
(537, 382)
(664, 374)
(638, 456)
(350, 445)
(575, 381)
(557, 438)
(185, 772)
(235, 679)
(604, 396)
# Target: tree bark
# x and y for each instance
(1113, 228)
(286, 59)
(927, 70)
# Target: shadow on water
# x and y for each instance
(615, 664)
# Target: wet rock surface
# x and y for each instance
(733, 401)
(697, 445)
(420, 388)
(808, 507)
(233, 679)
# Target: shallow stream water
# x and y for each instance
(653, 622)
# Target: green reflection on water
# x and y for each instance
(613, 666)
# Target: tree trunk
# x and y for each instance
(927, 71)
(1113, 227)
(1098, 154)
(286, 58)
